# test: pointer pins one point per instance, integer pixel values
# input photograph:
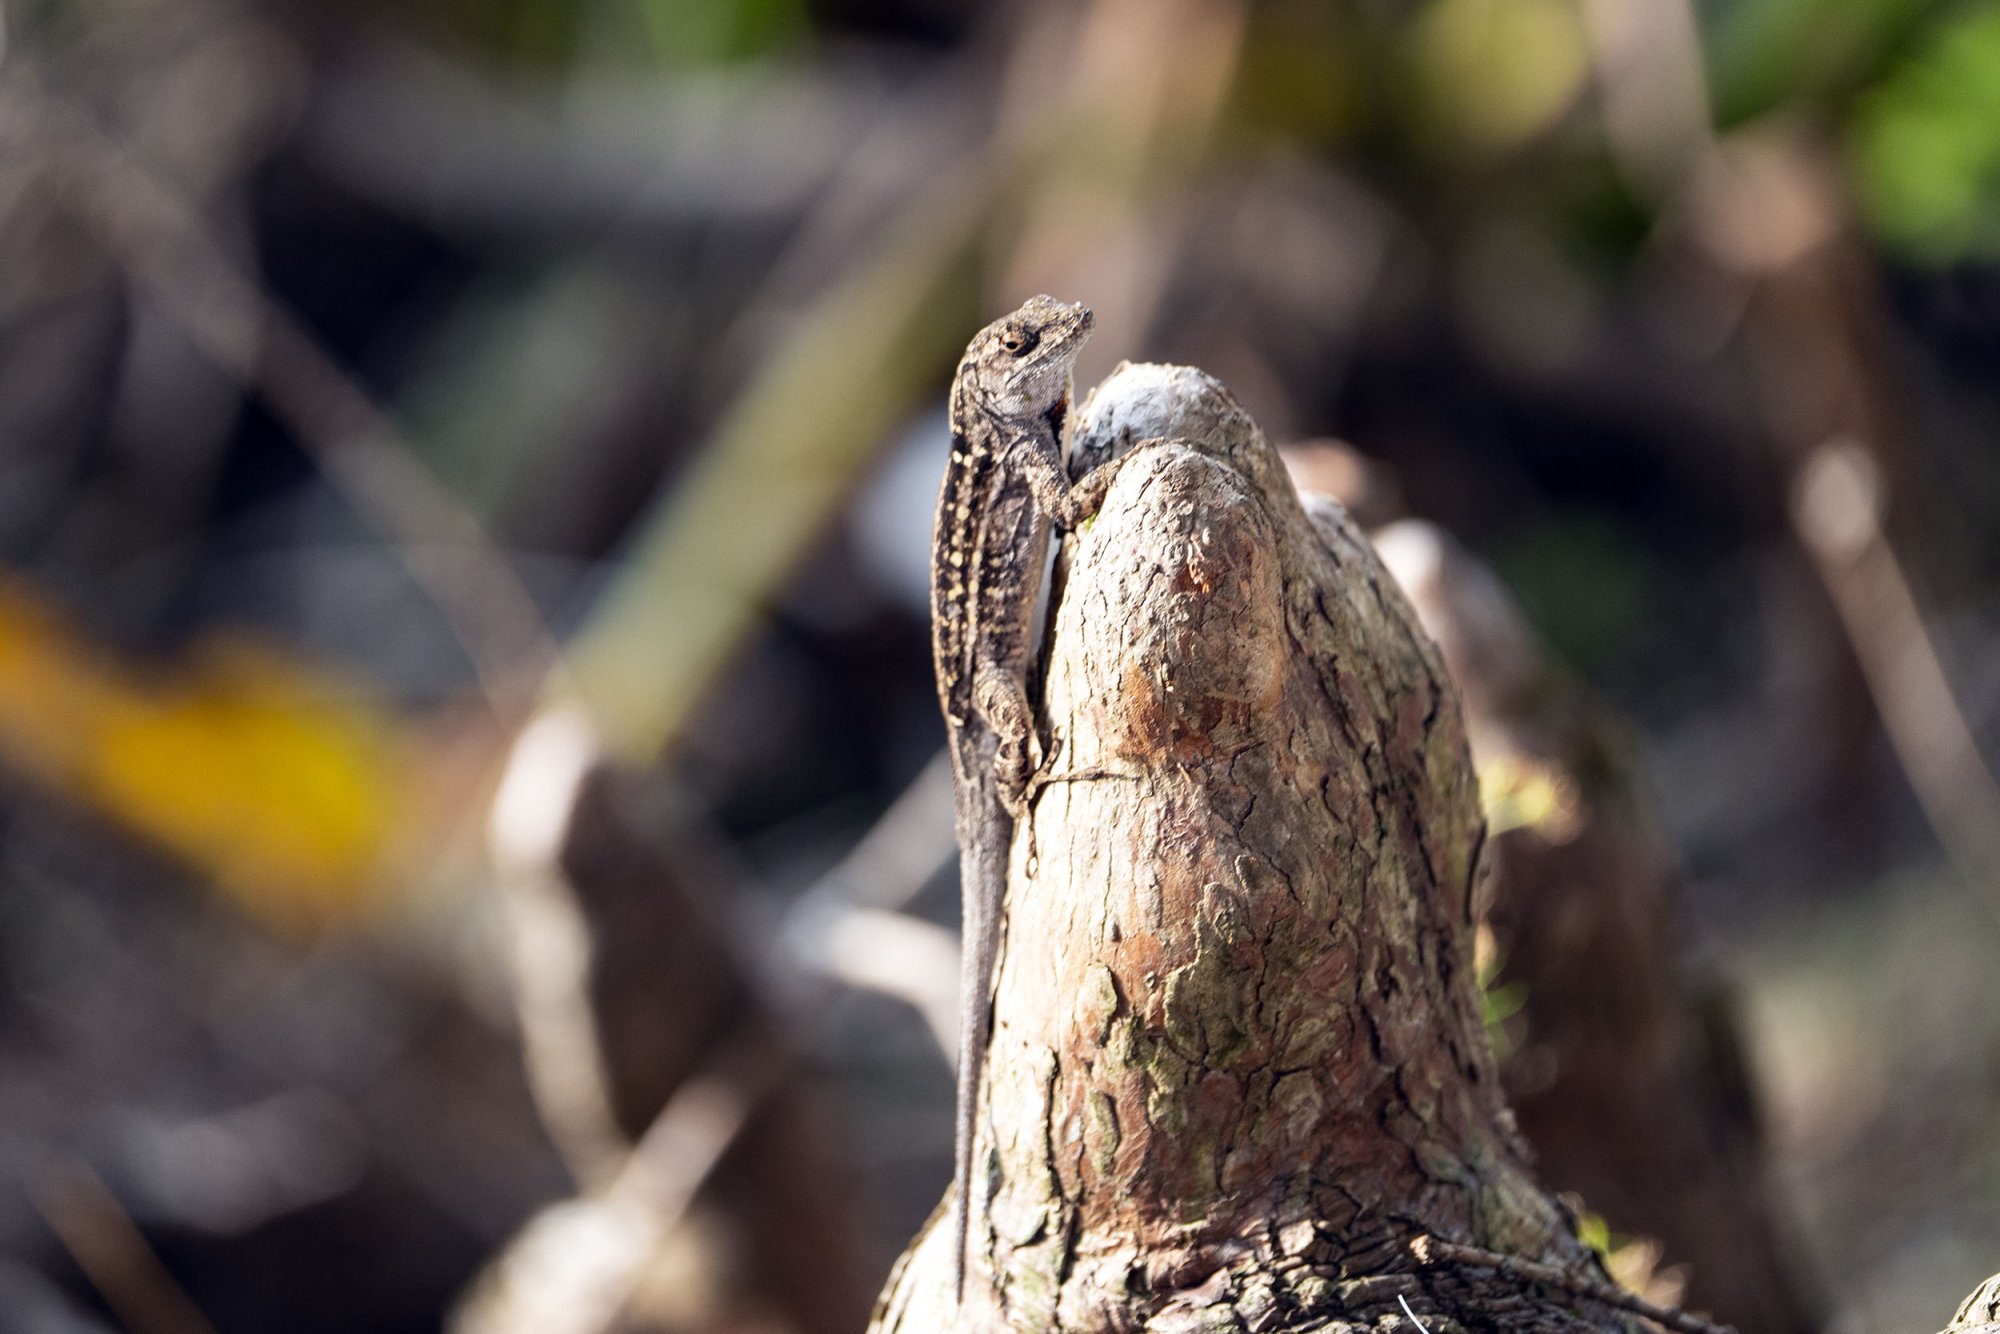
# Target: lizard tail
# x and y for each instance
(968, 1115)
(983, 877)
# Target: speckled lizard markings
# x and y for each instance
(1007, 482)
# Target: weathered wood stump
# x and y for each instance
(1622, 1061)
(1238, 1078)
(1980, 1312)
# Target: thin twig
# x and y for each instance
(700, 1121)
(1837, 510)
(577, 1269)
(170, 252)
(114, 1255)
(900, 852)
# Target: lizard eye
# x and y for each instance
(1018, 342)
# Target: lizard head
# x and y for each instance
(1027, 356)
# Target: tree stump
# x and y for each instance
(1980, 1312)
(1623, 1060)
(1238, 1077)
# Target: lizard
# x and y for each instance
(1007, 482)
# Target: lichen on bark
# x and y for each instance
(1238, 1066)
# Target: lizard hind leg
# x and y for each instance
(1002, 700)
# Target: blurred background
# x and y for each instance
(470, 826)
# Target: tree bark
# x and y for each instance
(1979, 1313)
(1623, 1061)
(1239, 1078)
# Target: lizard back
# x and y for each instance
(1008, 405)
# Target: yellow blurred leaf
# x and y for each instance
(267, 777)
(1519, 794)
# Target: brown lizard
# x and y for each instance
(1006, 483)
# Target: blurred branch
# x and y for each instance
(905, 847)
(1150, 79)
(169, 251)
(1766, 207)
(1837, 508)
(549, 940)
(696, 1127)
(1653, 87)
(574, 1269)
(721, 542)
(434, 139)
(111, 1251)
(1769, 207)
(648, 1043)
(849, 928)
(890, 953)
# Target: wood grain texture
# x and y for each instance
(1238, 1067)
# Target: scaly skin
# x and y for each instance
(1006, 484)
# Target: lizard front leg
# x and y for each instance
(1067, 503)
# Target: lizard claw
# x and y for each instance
(1018, 769)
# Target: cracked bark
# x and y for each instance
(1238, 1069)
(1624, 1063)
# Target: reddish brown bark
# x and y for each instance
(1622, 1061)
(1239, 1078)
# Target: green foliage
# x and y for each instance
(657, 34)
(1787, 55)
(1926, 143)
(708, 31)
(1493, 73)
(1498, 1001)
(1594, 1232)
(1499, 1004)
